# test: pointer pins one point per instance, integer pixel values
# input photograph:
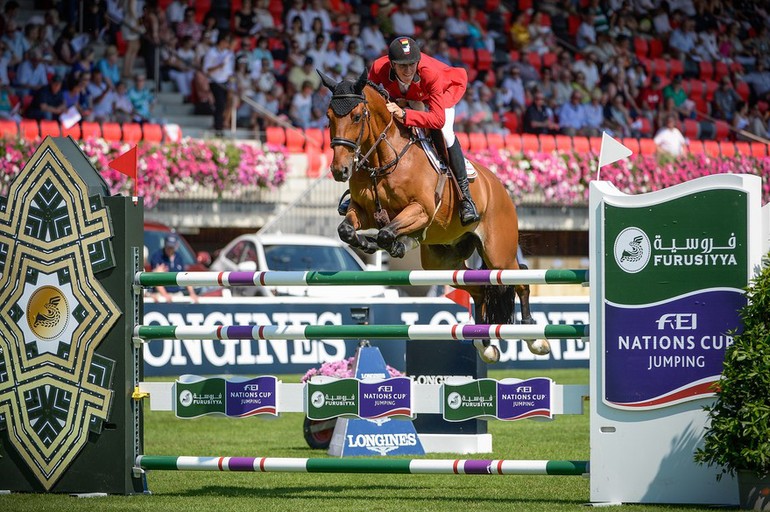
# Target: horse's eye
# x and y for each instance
(357, 118)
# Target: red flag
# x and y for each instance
(461, 298)
(126, 164)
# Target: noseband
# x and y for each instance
(360, 162)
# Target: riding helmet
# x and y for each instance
(404, 50)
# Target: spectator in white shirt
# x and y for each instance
(32, 74)
(373, 39)
(669, 139)
(403, 24)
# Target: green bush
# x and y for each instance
(739, 435)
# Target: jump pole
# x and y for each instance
(398, 332)
(377, 277)
(392, 466)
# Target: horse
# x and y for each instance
(397, 204)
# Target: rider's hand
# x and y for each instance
(397, 111)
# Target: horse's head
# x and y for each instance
(348, 119)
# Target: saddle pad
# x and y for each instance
(433, 156)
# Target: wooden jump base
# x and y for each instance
(383, 277)
(399, 332)
(393, 466)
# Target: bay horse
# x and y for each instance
(397, 205)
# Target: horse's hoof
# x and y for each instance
(397, 250)
(488, 353)
(385, 239)
(528, 321)
(346, 233)
(539, 347)
(369, 248)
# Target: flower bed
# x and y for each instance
(171, 168)
(341, 369)
(562, 179)
(558, 179)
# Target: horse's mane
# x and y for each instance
(380, 89)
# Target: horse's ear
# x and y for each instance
(328, 82)
(361, 82)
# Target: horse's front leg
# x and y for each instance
(347, 231)
(411, 219)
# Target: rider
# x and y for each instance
(408, 75)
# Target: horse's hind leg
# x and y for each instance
(522, 290)
(450, 258)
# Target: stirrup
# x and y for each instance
(342, 206)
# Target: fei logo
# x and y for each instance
(632, 250)
(678, 321)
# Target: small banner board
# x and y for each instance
(509, 399)
(356, 399)
(238, 398)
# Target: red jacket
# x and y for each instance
(437, 85)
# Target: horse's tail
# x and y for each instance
(499, 305)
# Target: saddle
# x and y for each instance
(435, 148)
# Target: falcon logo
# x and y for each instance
(47, 312)
(632, 250)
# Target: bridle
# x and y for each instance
(362, 162)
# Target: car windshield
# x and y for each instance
(309, 257)
(153, 240)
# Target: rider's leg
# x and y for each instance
(468, 212)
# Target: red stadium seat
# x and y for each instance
(511, 121)
(722, 130)
(535, 60)
(656, 48)
(483, 59)
(8, 128)
(547, 143)
(691, 129)
(29, 129)
(313, 162)
(595, 143)
(710, 88)
(742, 88)
(759, 149)
(90, 130)
(315, 138)
(152, 132)
(132, 133)
(641, 47)
(73, 131)
(711, 148)
(696, 147)
(631, 143)
(564, 143)
(275, 135)
(721, 69)
(676, 67)
(468, 57)
(111, 132)
(495, 141)
(706, 70)
(51, 128)
(743, 148)
(581, 145)
(464, 140)
(646, 128)
(513, 142)
(647, 146)
(530, 142)
(478, 141)
(327, 138)
(295, 142)
(726, 148)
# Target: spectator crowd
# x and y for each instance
(632, 68)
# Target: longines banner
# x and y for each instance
(212, 357)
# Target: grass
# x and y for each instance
(173, 491)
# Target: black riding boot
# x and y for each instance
(468, 212)
(342, 206)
